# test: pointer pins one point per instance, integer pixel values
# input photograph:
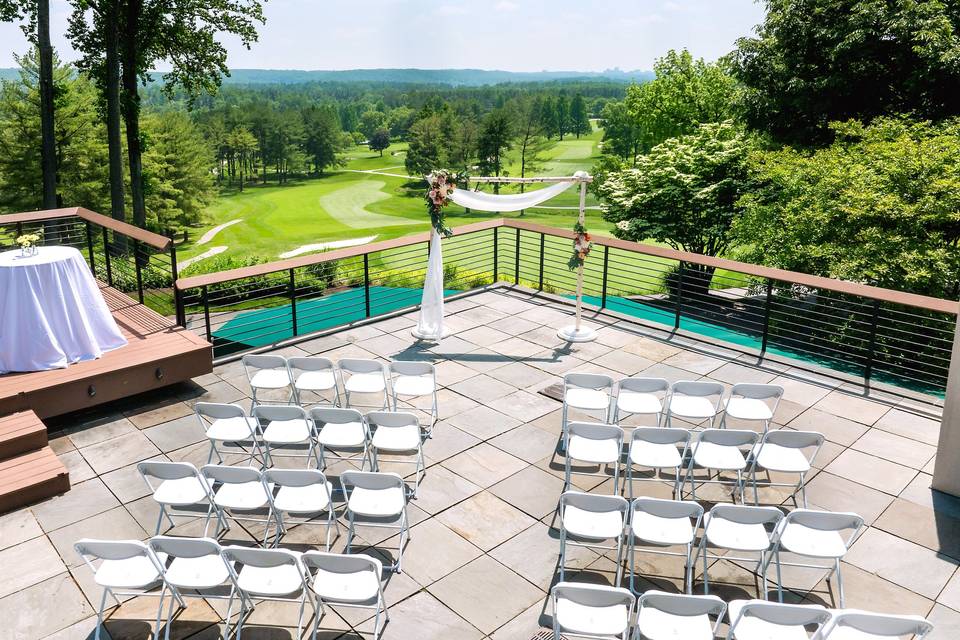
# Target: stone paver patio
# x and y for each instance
(483, 550)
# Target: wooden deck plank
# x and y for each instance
(20, 433)
(30, 477)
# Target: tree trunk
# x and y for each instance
(48, 147)
(114, 144)
(131, 111)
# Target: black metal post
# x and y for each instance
(679, 305)
(136, 262)
(872, 344)
(181, 312)
(93, 265)
(206, 313)
(603, 286)
(106, 253)
(496, 245)
(516, 260)
(19, 229)
(293, 303)
(366, 283)
(766, 317)
(543, 239)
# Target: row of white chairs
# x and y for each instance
(276, 498)
(660, 449)
(652, 525)
(202, 568)
(343, 432)
(313, 376)
(600, 612)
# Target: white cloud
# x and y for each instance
(506, 5)
(451, 10)
(672, 6)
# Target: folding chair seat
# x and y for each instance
(378, 496)
(175, 486)
(592, 520)
(300, 495)
(850, 624)
(753, 403)
(762, 620)
(410, 380)
(785, 451)
(591, 611)
(227, 423)
(721, 450)
(343, 432)
(240, 494)
(594, 444)
(364, 376)
(267, 373)
(590, 392)
(395, 432)
(663, 616)
(657, 524)
(284, 427)
(657, 448)
(641, 396)
(313, 376)
(694, 401)
(346, 581)
(738, 528)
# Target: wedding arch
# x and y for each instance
(443, 190)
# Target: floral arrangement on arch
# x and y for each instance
(442, 183)
(581, 246)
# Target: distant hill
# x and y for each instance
(9, 73)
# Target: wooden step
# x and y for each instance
(30, 477)
(20, 433)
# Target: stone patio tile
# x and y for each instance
(934, 530)
(694, 362)
(119, 452)
(453, 346)
(851, 407)
(360, 333)
(904, 563)
(137, 616)
(946, 623)
(894, 448)
(450, 372)
(734, 373)
(482, 388)
(320, 345)
(528, 624)
(215, 392)
(450, 403)
(655, 350)
(27, 564)
(668, 372)
(447, 441)
(150, 415)
(919, 491)
(803, 393)
(833, 493)
(516, 348)
(484, 314)
(532, 490)
(440, 488)
(950, 596)
(516, 325)
(469, 590)
(456, 306)
(176, 434)
(483, 422)
(82, 630)
(864, 590)
(483, 360)
(523, 405)
(485, 520)
(35, 617)
(910, 425)
(535, 553)
(624, 362)
(520, 375)
(485, 335)
(76, 466)
(60, 442)
(544, 336)
(835, 429)
(82, 501)
(527, 442)
(787, 411)
(871, 471)
(554, 361)
(423, 617)
(386, 345)
(548, 315)
(100, 430)
(116, 524)
(484, 464)
(126, 483)
(18, 526)
(435, 551)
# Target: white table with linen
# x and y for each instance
(52, 313)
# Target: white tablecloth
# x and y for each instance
(51, 311)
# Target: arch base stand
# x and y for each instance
(429, 338)
(572, 334)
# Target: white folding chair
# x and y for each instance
(694, 401)
(364, 376)
(268, 574)
(585, 392)
(240, 494)
(196, 569)
(658, 524)
(299, 495)
(823, 535)
(721, 450)
(343, 432)
(851, 624)
(285, 427)
(346, 581)
(641, 396)
(409, 380)
(267, 373)
(785, 451)
(227, 423)
(762, 620)
(657, 448)
(175, 486)
(753, 403)
(594, 444)
(313, 375)
(592, 520)
(662, 615)
(738, 528)
(124, 568)
(591, 611)
(378, 496)
(396, 432)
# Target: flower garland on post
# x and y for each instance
(581, 247)
(442, 183)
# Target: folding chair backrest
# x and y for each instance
(757, 391)
(278, 412)
(644, 385)
(184, 547)
(310, 363)
(588, 380)
(411, 368)
(596, 431)
(730, 437)
(264, 362)
(373, 480)
(360, 365)
(787, 615)
(392, 419)
(167, 470)
(682, 605)
(230, 475)
(295, 477)
(661, 435)
(697, 388)
(667, 508)
(876, 624)
(335, 415)
(219, 411)
(342, 562)
(794, 439)
(592, 595)
(594, 502)
(264, 558)
(111, 549)
(825, 520)
(746, 514)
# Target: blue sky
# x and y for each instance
(516, 35)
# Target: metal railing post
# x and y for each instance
(293, 303)
(136, 262)
(205, 298)
(872, 344)
(93, 264)
(679, 305)
(366, 283)
(106, 253)
(603, 286)
(543, 239)
(766, 317)
(496, 246)
(181, 312)
(516, 260)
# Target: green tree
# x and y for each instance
(495, 139)
(879, 205)
(817, 61)
(562, 109)
(399, 121)
(379, 141)
(322, 137)
(530, 142)
(579, 118)
(548, 117)
(622, 135)
(429, 143)
(242, 146)
(371, 121)
(685, 193)
(462, 145)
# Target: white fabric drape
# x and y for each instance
(430, 324)
(509, 202)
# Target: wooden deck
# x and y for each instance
(158, 353)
